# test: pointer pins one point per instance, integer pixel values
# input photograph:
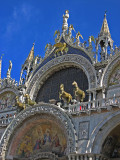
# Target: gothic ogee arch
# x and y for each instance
(10, 135)
(57, 63)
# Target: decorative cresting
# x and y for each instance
(53, 65)
(38, 109)
(100, 133)
(109, 69)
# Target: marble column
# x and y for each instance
(94, 98)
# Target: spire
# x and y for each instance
(31, 54)
(105, 28)
(105, 41)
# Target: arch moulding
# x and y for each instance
(109, 70)
(41, 108)
(100, 133)
(33, 84)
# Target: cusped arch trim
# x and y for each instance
(55, 64)
(39, 109)
(108, 71)
(100, 133)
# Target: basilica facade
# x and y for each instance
(66, 105)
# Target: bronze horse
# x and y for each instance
(79, 94)
(64, 95)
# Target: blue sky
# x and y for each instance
(24, 21)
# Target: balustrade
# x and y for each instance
(95, 104)
(6, 121)
(87, 157)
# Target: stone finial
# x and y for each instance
(65, 18)
(31, 54)
(9, 70)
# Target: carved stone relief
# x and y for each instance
(83, 130)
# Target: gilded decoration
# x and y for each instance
(64, 95)
(115, 76)
(61, 47)
(43, 137)
(7, 100)
(79, 94)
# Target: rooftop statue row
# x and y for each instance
(97, 48)
(103, 43)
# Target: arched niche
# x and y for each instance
(44, 128)
(39, 133)
(109, 71)
(114, 78)
(57, 64)
(101, 132)
(111, 145)
(50, 88)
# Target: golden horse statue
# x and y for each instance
(20, 104)
(64, 95)
(79, 94)
(28, 100)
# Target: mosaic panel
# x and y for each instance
(115, 76)
(46, 136)
(7, 99)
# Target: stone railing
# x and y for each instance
(6, 116)
(6, 121)
(95, 105)
(87, 157)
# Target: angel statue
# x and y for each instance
(91, 38)
(48, 48)
(70, 30)
(57, 32)
(77, 38)
(9, 69)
